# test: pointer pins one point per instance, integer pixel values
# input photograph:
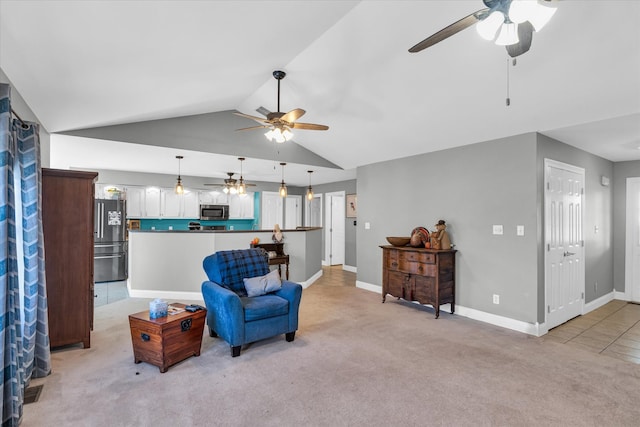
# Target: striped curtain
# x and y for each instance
(24, 332)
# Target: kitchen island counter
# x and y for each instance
(168, 263)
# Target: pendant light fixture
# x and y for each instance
(309, 190)
(179, 188)
(283, 187)
(241, 188)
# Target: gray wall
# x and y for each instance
(597, 212)
(471, 188)
(621, 171)
(349, 187)
(20, 106)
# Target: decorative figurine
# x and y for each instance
(277, 234)
(440, 238)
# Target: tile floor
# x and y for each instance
(612, 330)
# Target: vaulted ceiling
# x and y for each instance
(82, 65)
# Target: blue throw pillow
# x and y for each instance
(262, 285)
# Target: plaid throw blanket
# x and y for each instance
(228, 268)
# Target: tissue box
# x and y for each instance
(158, 308)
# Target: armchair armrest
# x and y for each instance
(225, 314)
(292, 292)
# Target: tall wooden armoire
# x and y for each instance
(67, 217)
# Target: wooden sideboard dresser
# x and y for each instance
(418, 274)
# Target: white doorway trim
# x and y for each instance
(333, 240)
(632, 241)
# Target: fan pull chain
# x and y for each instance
(508, 100)
(514, 62)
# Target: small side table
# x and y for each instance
(279, 258)
(165, 341)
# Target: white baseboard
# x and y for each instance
(324, 263)
(368, 287)
(166, 295)
(623, 296)
(350, 268)
(311, 280)
(598, 302)
(193, 296)
(535, 329)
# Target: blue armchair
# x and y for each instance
(240, 319)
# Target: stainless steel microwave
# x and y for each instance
(214, 212)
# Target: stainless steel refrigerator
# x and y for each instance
(110, 246)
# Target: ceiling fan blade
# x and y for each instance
(255, 127)
(525, 36)
(257, 119)
(452, 29)
(293, 115)
(309, 126)
(263, 111)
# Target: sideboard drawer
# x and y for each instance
(417, 256)
(417, 268)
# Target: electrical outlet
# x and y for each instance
(497, 229)
(496, 299)
(367, 225)
(520, 230)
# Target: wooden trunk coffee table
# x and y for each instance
(165, 341)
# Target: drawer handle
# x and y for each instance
(185, 325)
(145, 337)
(394, 264)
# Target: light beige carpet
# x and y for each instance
(354, 361)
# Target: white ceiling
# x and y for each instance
(87, 64)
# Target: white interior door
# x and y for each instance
(564, 245)
(313, 212)
(292, 212)
(271, 210)
(632, 244)
(335, 232)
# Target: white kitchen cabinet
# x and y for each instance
(170, 203)
(191, 205)
(135, 201)
(152, 202)
(213, 197)
(241, 207)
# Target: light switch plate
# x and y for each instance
(497, 229)
(367, 225)
(520, 230)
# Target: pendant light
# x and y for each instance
(241, 188)
(179, 187)
(283, 187)
(310, 190)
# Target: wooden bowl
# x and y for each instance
(399, 241)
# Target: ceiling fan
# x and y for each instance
(278, 123)
(509, 23)
(232, 185)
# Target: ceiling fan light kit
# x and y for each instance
(508, 23)
(280, 124)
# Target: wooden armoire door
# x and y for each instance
(67, 220)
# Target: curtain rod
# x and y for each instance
(24, 125)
